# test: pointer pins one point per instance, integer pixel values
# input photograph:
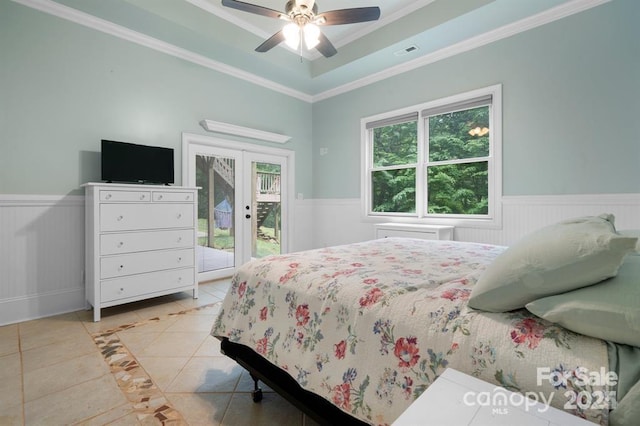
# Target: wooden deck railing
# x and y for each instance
(267, 184)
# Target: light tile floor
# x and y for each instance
(144, 363)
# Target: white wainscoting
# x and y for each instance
(339, 221)
(41, 256)
(42, 239)
(523, 214)
(303, 225)
(42, 253)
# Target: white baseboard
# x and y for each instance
(41, 305)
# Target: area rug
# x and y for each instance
(149, 403)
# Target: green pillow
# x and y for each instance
(568, 255)
(632, 233)
(609, 310)
(628, 410)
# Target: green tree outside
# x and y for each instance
(457, 172)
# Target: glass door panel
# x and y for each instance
(266, 208)
(216, 176)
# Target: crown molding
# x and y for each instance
(223, 13)
(98, 24)
(548, 16)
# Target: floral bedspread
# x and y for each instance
(369, 326)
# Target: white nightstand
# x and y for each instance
(453, 400)
(411, 230)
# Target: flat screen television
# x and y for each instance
(128, 162)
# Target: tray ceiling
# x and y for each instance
(408, 34)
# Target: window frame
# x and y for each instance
(493, 219)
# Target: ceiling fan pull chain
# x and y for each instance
(300, 45)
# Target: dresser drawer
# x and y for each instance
(116, 196)
(143, 284)
(138, 263)
(145, 241)
(161, 196)
(125, 217)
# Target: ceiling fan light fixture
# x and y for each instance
(311, 35)
(291, 33)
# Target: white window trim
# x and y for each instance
(494, 217)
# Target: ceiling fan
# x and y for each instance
(304, 22)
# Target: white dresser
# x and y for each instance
(410, 230)
(140, 242)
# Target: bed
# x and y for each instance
(353, 334)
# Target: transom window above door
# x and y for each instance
(437, 162)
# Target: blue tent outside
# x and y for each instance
(222, 215)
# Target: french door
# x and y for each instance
(242, 205)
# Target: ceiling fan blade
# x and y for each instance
(252, 8)
(349, 16)
(271, 42)
(325, 47)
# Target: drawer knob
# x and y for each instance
(121, 268)
(108, 197)
(142, 197)
(120, 218)
(160, 197)
(179, 215)
(179, 239)
(188, 197)
(179, 259)
(120, 244)
(121, 290)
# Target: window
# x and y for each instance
(437, 162)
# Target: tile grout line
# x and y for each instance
(93, 335)
(147, 398)
(24, 411)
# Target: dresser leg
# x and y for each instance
(96, 314)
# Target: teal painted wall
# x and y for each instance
(571, 98)
(571, 101)
(64, 87)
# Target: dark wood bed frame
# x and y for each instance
(314, 406)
